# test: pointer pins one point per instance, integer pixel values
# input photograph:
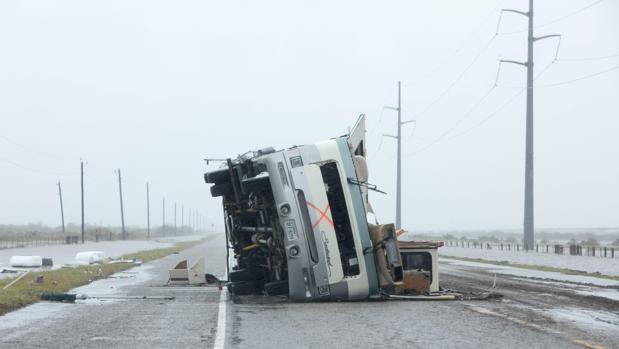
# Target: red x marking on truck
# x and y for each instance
(323, 214)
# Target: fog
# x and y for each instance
(153, 87)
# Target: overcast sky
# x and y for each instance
(153, 87)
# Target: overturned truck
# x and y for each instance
(296, 224)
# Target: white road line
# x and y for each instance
(220, 336)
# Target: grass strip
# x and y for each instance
(565, 271)
(26, 291)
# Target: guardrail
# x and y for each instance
(561, 249)
(5, 244)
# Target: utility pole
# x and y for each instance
(183, 218)
(61, 206)
(163, 226)
(174, 217)
(82, 186)
(147, 211)
(122, 212)
(189, 219)
(398, 138)
(529, 228)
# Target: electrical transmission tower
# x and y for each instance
(398, 200)
(529, 238)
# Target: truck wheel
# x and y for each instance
(217, 176)
(244, 287)
(221, 189)
(276, 288)
(245, 275)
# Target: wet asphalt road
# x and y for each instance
(193, 319)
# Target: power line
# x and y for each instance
(503, 106)
(586, 59)
(488, 117)
(458, 78)
(455, 125)
(567, 81)
(465, 42)
(569, 14)
(554, 20)
(37, 170)
(579, 78)
(36, 151)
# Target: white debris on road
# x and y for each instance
(65, 254)
(89, 257)
(26, 261)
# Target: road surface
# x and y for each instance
(205, 317)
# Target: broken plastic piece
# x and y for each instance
(26, 261)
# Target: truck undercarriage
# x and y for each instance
(296, 224)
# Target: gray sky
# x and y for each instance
(152, 87)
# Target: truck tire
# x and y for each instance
(217, 176)
(276, 288)
(245, 287)
(247, 274)
(221, 189)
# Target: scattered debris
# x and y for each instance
(47, 262)
(423, 297)
(135, 262)
(26, 261)
(14, 281)
(10, 271)
(58, 297)
(71, 297)
(90, 257)
(193, 276)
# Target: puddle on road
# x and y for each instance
(535, 274)
(23, 320)
(586, 319)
